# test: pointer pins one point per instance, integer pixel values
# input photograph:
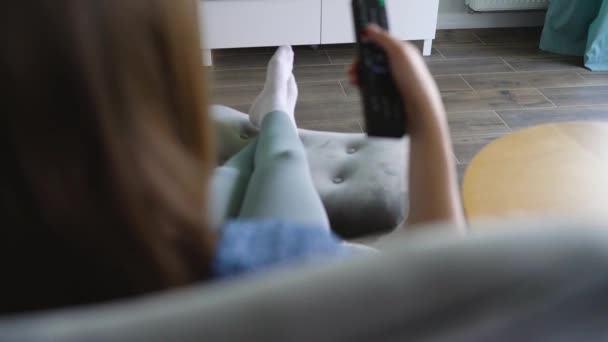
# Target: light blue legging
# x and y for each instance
(269, 179)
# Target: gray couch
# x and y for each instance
(546, 284)
(362, 181)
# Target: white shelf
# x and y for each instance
(408, 20)
(255, 23)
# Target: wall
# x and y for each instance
(453, 14)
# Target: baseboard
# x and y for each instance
(486, 20)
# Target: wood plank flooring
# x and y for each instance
(493, 81)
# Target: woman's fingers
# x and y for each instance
(377, 35)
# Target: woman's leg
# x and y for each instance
(281, 186)
(229, 184)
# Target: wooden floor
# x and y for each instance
(493, 81)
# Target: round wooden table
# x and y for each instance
(556, 170)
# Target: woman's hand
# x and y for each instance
(418, 89)
(433, 184)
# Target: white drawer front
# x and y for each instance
(250, 23)
(408, 20)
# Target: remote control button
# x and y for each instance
(380, 58)
(374, 15)
(383, 20)
(379, 69)
(375, 104)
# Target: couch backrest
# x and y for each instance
(539, 286)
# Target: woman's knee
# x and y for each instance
(286, 156)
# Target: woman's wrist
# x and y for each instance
(429, 123)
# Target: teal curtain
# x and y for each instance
(578, 28)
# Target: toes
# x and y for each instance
(284, 57)
(286, 51)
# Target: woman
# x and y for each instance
(108, 156)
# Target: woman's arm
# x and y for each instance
(433, 183)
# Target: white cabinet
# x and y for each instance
(254, 23)
(408, 20)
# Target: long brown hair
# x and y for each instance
(106, 151)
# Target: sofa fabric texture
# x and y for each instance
(545, 282)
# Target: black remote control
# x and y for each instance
(383, 106)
